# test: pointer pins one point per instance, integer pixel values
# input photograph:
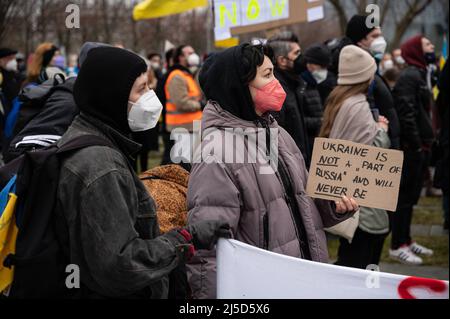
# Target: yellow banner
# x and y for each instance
(227, 43)
(150, 9)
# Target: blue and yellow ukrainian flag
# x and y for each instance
(8, 231)
(444, 57)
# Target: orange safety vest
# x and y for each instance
(174, 117)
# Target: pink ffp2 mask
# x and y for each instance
(270, 98)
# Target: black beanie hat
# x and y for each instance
(103, 86)
(4, 52)
(48, 56)
(318, 54)
(357, 28)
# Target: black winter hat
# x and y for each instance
(48, 56)
(103, 86)
(357, 28)
(318, 54)
(4, 52)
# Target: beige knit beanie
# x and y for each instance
(355, 66)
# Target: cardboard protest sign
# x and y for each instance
(369, 174)
(235, 17)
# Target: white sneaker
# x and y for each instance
(405, 256)
(420, 250)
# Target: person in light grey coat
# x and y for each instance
(264, 201)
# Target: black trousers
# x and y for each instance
(168, 144)
(414, 167)
(364, 250)
(142, 157)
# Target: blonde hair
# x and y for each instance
(35, 66)
(336, 100)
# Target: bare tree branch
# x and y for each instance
(413, 10)
(340, 10)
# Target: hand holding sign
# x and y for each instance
(368, 174)
(346, 205)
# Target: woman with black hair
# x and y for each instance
(257, 188)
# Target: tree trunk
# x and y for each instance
(341, 14)
(414, 10)
(106, 31)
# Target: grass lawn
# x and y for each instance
(428, 212)
(154, 159)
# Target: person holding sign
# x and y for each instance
(265, 205)
(348, 117)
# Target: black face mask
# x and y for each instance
(430, 58)
(298, 64)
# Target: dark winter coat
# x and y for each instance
(413, 100)
(381, 98)
(314, 107)
(292, 116)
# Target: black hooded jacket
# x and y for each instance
(413, 100)
(106, 219)
(292, 117)
(381, 98)
(314, 106)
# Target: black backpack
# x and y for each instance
(39, 262)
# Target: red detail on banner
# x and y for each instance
(423, 283)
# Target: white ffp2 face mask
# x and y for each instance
(320, 75)
(193, 60)
(145, 113)
(388, 65)
(399, 59)
(11, 66)
(378, 46)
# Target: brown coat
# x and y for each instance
(167, 185)
(253, 204)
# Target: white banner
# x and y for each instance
(247, 272)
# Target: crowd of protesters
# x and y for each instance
(153, 235)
